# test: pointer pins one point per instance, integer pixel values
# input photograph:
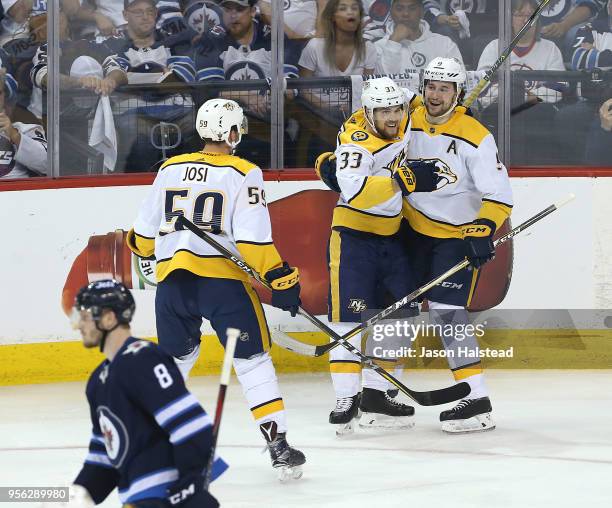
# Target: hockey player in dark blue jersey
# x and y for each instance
(151, 438)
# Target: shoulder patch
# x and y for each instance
(359, 136)
(135, 347)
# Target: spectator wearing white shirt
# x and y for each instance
(412, 45)
(531, 53)
(341, 51)
(534, 136)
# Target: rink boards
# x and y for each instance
(565, 262)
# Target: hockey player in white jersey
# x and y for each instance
(366, 256)
(224, 195)
(458, 220)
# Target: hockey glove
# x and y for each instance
(478, 239)
(188, 492)
(419, 176)
(285, 282)
(325, 166)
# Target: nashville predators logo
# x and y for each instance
(359, 136)
(444, 172)
(357, 305)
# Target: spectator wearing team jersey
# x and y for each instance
(150, 56)
(240, 52)
(23, 146)
(17, 13)
(243, 51)
(342, 51)
(412, 45)
(562, 17)
(592, 46)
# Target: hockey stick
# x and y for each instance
(226, 370)
(302, 348)
(486, 79)
(429, 398)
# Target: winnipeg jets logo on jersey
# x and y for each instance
(241, 63)
(418, 59)
(114, 432)
(554, 8)
(103, 374)
(7, 156)
(134, 347)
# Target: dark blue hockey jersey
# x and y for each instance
(220, 56)
(170, 51)
(148, 430)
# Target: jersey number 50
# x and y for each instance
(207, 210)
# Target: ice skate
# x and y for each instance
(286, 460)
(344, 415)
(470, 415)
(381, 411)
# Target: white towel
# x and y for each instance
(103, 137)
(464, 31)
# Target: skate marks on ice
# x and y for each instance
(552, 446)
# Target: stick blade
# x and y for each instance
(290, 344)
(443, 395)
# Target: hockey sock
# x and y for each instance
(464, 361)
(260, 387)
(186, 363)
(344, 366)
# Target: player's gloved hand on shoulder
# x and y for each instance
(325, 166)
(478, 239)
(417, 176)
(285, 282)
(188, 492)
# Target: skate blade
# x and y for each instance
(345, 429)
(288, 473)
(380, 421)
(478, 423)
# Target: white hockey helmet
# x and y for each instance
(449, 70)
(217, 117)
(380, 93)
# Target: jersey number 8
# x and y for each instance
(163, 376)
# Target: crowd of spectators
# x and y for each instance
(164, 48)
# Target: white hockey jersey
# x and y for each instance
(222, 194)
(541, 55)
(475, 183)
(27, 159)
(370, 199)
(409, 57)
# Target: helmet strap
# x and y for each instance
(369, 115)
(105, 334)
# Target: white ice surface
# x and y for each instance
(552, 446)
